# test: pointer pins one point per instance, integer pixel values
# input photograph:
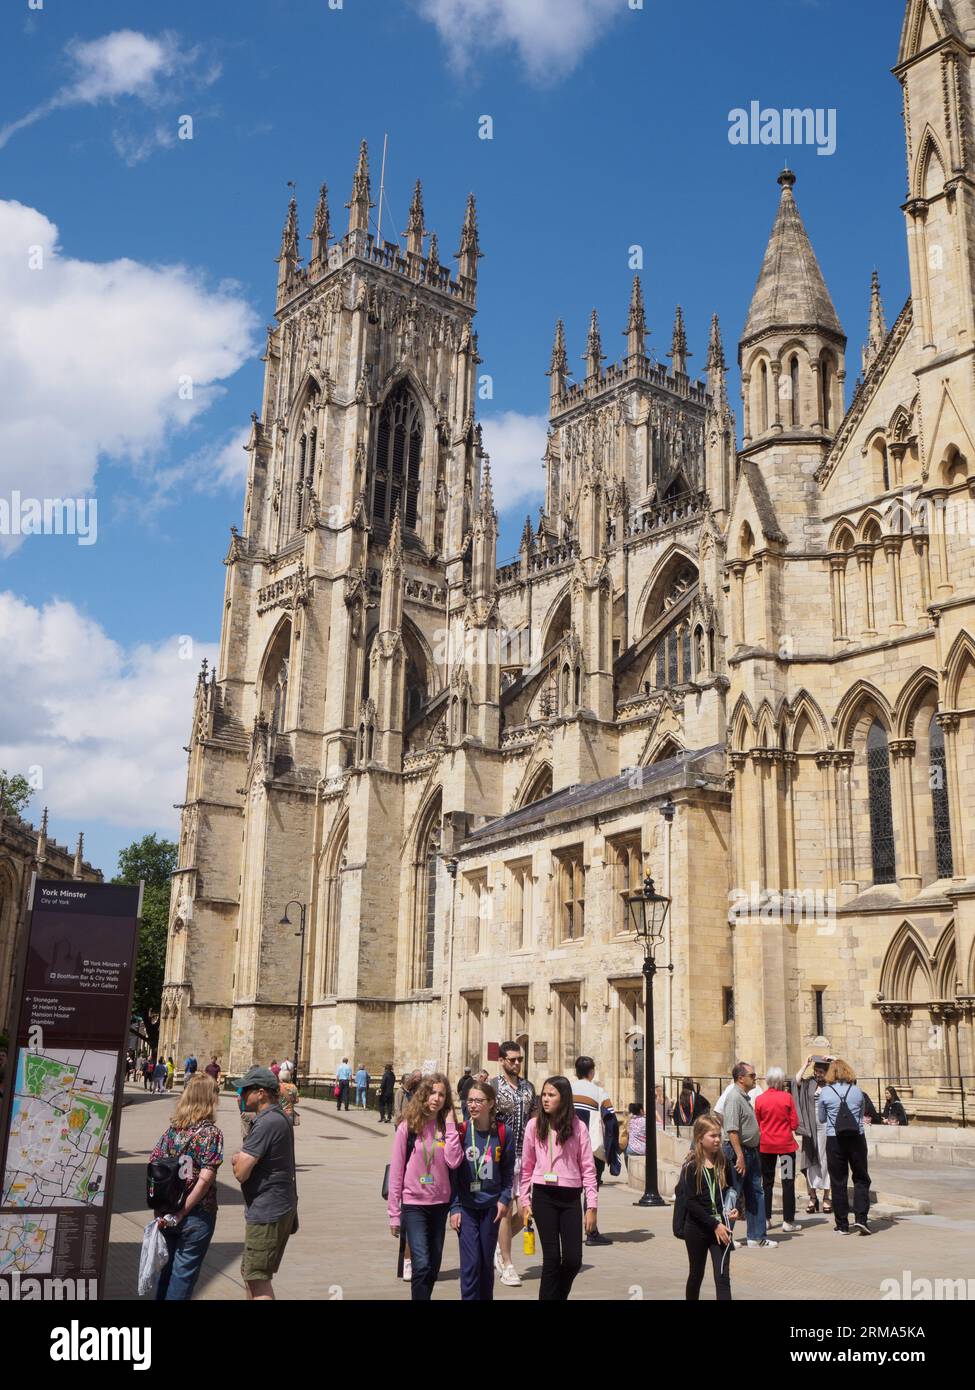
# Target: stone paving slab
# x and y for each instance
(344, 1249)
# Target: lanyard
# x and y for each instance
(551, 1151)
(711, 1182)
(428, 1155)
(479, 1161)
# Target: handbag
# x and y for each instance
(410, 1146)
(337, 1090)
(596, 1135)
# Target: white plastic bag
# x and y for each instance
(154, 1258)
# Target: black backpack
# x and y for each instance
(680, 1205)
(844, 1122)
(166, 1189)
(410, 1146)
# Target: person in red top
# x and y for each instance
(775, 1112)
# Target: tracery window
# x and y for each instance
(881, 817)
(939, 802)
(399, 448)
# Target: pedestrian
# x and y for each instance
(343, 1077)
(463, 1086)
(159, 1074)
(689, 1106)
(408, 1084)
(129, 1064)
(841, 1110)
(193, 1137)
(594, 1108)
(812, 1162)
(288, 1093)
(742, 1153)
(557, 1165)
(362, 1079)
(265, 1169)
(703, 1185)
(778, 1122)
(170, 1073)
(387, 1090)
(893, 1112)
(481, 1075)
(754, 1092)
(636, 1131)
(189, 1068)
(212, 1068)
(426, 1148)
(870, 1115)
(516, 1103)
(276, 1068)
(481, 1191)
(147, 1068)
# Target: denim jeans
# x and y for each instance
(478, 1236)
(360, 1096)
(749, 1186)
(425, 1228)
(188, 1245)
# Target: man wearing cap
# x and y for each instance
(265, 1169)
(806, 1093)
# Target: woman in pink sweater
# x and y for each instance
(425, 1148)
(556, 1165)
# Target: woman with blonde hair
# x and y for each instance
(841, 1110)
(700, 1193)
(288, 1094)
(193, 1138)
(426, 1148)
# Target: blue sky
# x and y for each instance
(610, 128)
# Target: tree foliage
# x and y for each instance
(153, 860)
(15, 793)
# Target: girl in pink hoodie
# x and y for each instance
(425, 1148)
(556, 1165)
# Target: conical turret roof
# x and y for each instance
(791, 291)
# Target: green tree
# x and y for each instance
(15, 792)
(153, 860)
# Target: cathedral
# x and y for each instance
(746, 666)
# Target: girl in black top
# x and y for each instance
(894, 1112)
(705, 1178)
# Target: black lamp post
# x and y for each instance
(647, 915)
(286, 922)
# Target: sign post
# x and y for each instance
(59, 1124)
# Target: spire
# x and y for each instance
(678, 348)
(636, 324)
(360, 202)
(791, 291)
(594, 355)
(487, 493)
(321, 232)
(289, 235)
(527, 535)
(876, 327)
(716, 366)
(470, 247)
(415, 231)
(77, 867)
(433, 260)
(391, 591)
(40, 852)
(559, 368)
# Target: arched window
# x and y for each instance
(661, 677)
(279, 698)
(881, 818)
(794, 388)
(685, 655)
(826, 386)
(763, 397)
(430, 918)
(939, 801)
(399, 447)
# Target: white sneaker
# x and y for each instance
(407, 1270)
(791, 1226)
(498, 1261)
(762, 1245)
(509, 1276)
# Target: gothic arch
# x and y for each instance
(953, 468)
(424, 863)
(929, 150)
(907, 957)
(924, 23)
(765, 725)
(334, 858)
(960, 664)
(861, 695)
(674, 566)
(743, 726)
(274, 674)
(946, 964)
(537, 785)
(842, 538)
(557, 621)
(911, 696)
(667, 747)
(870, 527)
(804, 706)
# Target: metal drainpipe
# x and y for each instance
(669, 1018)
(451, 866)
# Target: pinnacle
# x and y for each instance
(791, 291)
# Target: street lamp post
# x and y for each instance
(648, 912)
(286, 922)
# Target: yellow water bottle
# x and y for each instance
(528, 1238)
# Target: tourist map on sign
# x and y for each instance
(27, 1244)
(60, 1129)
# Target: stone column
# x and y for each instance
(892, 549)
(902, 752)
(846, 866)
(939, 537)
(920, 542)
(837, 579)
(789, 771)
(864, 554)
(950, 724)
(738, 604)
(824, 762)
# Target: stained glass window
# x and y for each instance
(939, 802)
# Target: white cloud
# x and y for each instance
(222, 464)
(122, 64)
(516, 444)
(550, 36)
(105, 724)
(102, 360)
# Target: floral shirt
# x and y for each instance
(515, 1105)
(204, 1146)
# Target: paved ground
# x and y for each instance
(344, 1249)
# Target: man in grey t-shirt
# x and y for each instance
(742, 1153)
(265, 1169)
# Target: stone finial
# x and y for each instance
(876, 325)
(636, 323)
(415, 230)
(594, 355)
(678, 345)
(321, 232)
(41, 850)
(361, 202)
(77, 867)
(470, 247)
